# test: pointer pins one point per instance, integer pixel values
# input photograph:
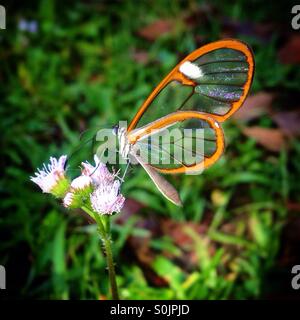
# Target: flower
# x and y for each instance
(81, 182)
(81, 188)
(99, 173)
(29, 26)
(68, 200)
(52, 178)
(79, 192)
(96, 188)
(106, 198)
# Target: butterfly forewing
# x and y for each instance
(218, 86)
(171, 98)
(224, 73)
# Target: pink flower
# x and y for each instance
(68, 200)
(99, 173)
(106, 198)
(81, 183)
(51, 178)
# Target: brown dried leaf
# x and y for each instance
(255, 106)
(271, 139)
(156, 29)
(140, 56)
(290, 53)
(176, 231)
(293, 206)
(288, 122)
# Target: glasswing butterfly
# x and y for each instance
(202, 91)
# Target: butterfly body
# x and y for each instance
(124, 144)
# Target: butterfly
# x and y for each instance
(201, 92)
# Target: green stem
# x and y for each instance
(111, 269)
(104, 231)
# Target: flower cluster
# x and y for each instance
(95, 188)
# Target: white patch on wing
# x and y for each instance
(190, 70)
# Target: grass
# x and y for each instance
(79, 72)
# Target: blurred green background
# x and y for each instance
(71, 66)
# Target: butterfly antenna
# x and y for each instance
(93, 139)
(95, 127)
(80, 147)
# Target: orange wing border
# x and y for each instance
(176, 75)
(135, 135)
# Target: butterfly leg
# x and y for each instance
(126, 169)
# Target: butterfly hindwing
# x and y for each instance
(181, 142)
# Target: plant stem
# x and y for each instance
(111, 269)
(104, 231)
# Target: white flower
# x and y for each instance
(68, 199)
(80, 190)
(107, 199)
(81, 182)
(99, 173)
(51, 178)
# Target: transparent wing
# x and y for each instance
(161, 183)
(214, 79)
(180, 142)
